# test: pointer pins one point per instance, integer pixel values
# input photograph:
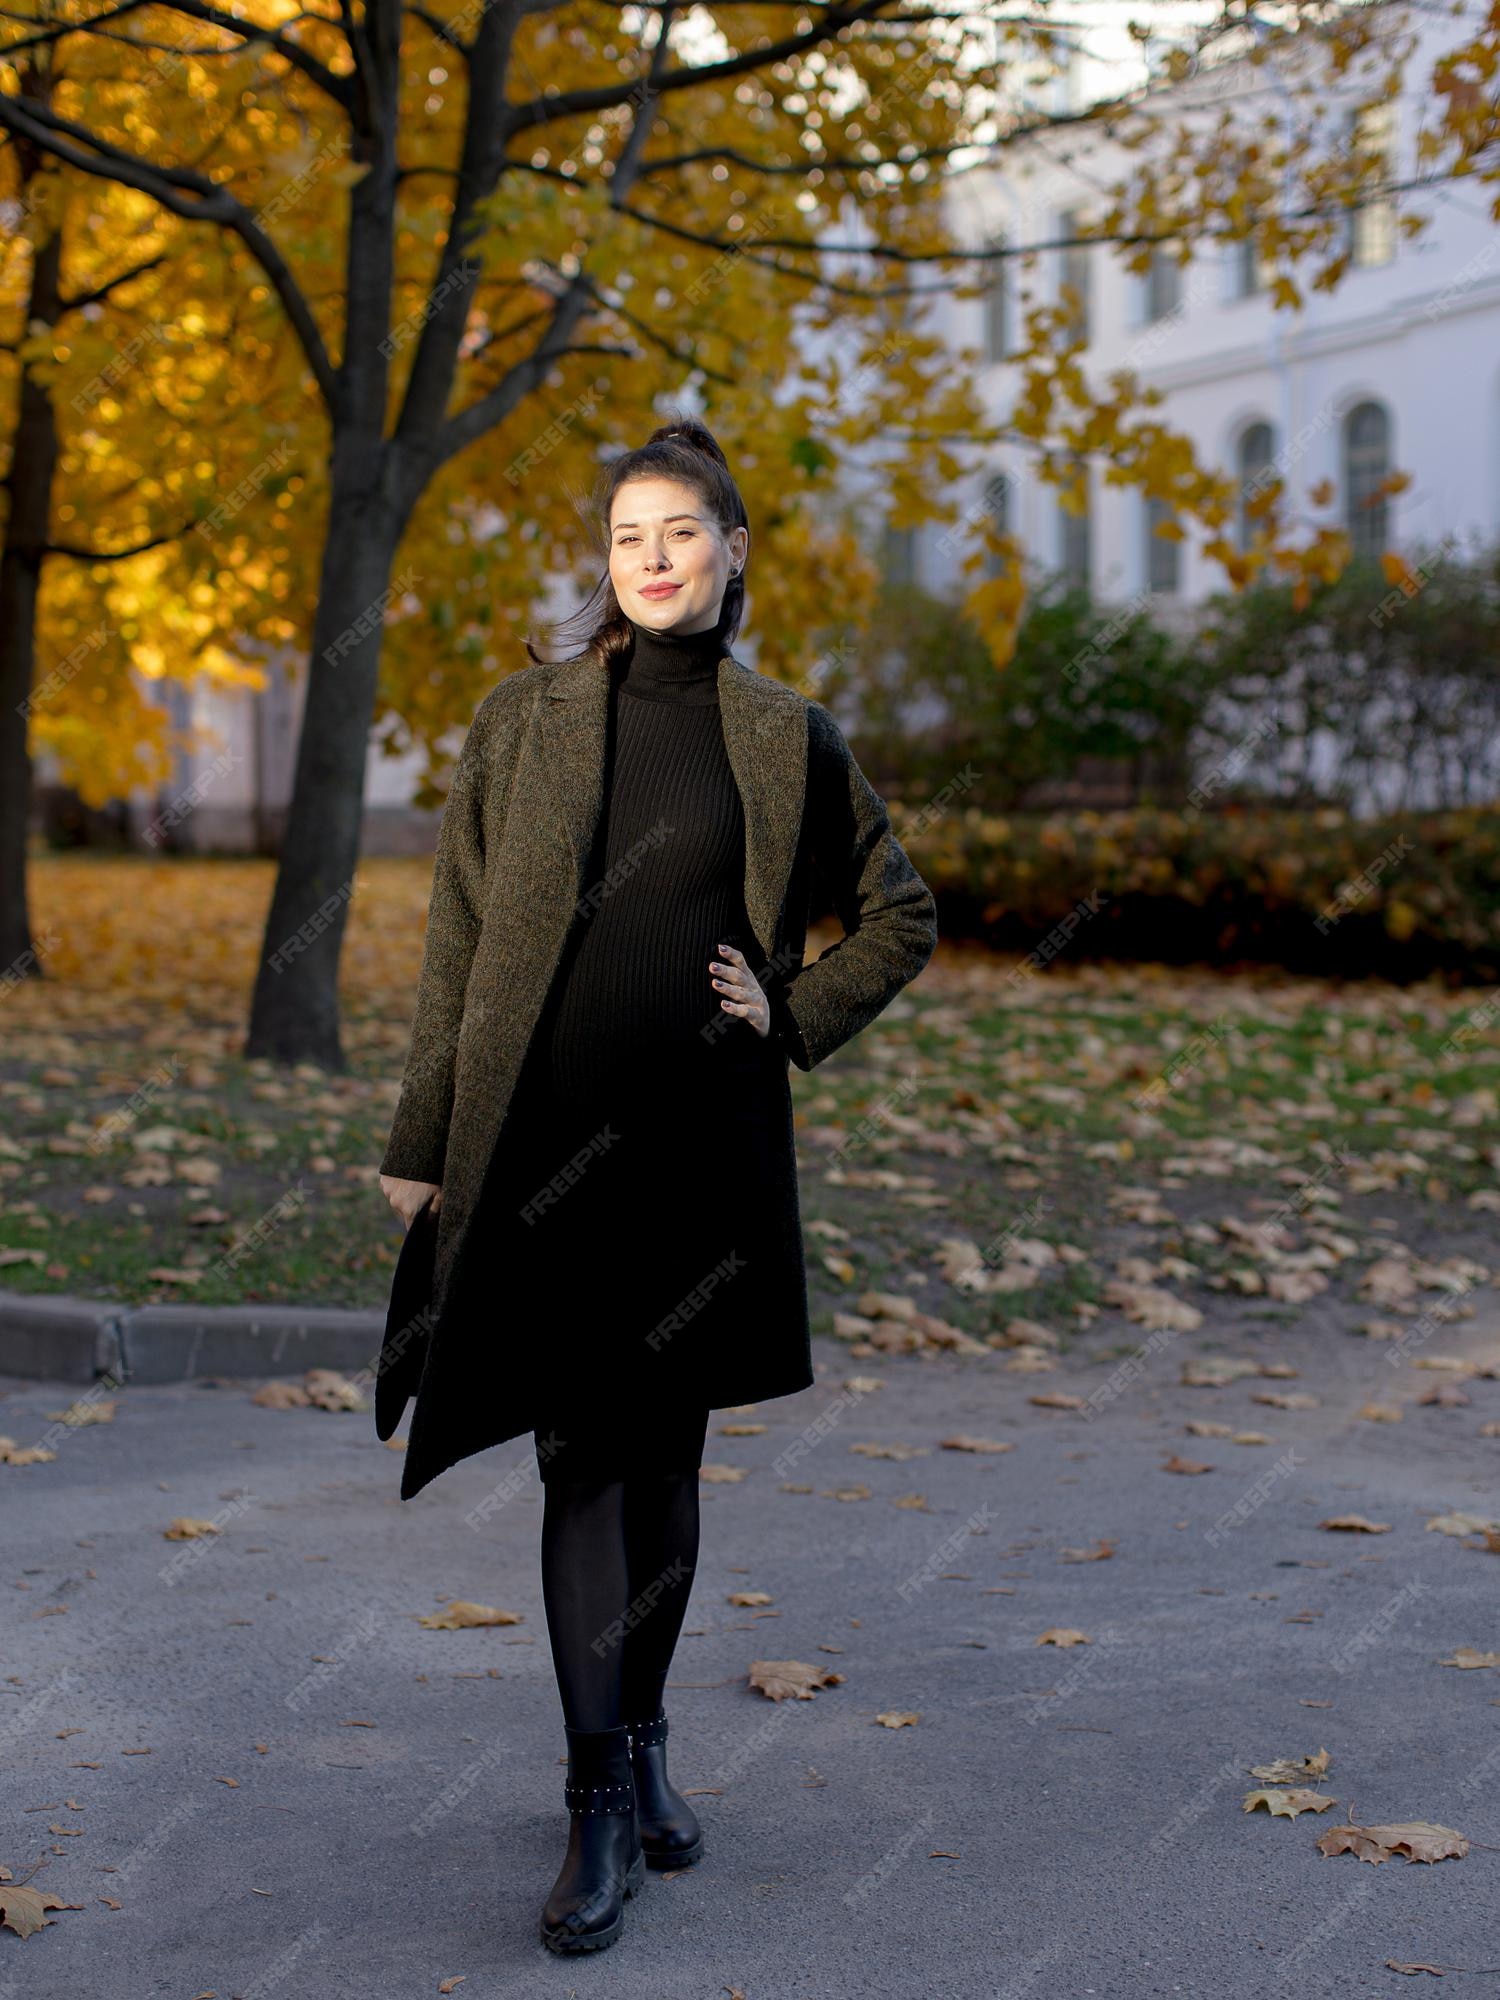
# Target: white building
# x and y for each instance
(1397, 368)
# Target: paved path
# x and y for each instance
(1057, 1823)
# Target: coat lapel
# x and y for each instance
(765, 736)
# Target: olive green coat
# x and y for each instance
(513, 850)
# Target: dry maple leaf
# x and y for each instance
(12, 1453)
(1287, 1399)
(1057, 1399)
(1288, 1803)
(1100, 1552)
(961, 1442)
(845, 1493)
(899, 1718)
(1379, 1413)
(1214, 1371)
(1287, 1770)
(721, 1475)
(1356, 1524)
(1178, 1464)
(741, 1430)
(780, 1680)
(896, 1451)
(748, 1597)
(1469, 1656)
(327, 1389)
(82, 1412)
(1205, 1427)
(1063, 1635)
(186, 1529)
(281, 1396)
(1418, 1840)
(1461, 1524)
(24, 1910)
(461, 1615)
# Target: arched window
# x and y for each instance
(997, 506)
(1163, 564)
(997, 306)
(1257, 468)
(1074, 540)
(1367, 463)
(1163, 286)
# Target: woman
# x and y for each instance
(596, 1113)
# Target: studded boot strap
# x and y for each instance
(644, 1734)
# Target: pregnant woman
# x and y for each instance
(595, 1125)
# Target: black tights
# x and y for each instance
(618, 1557)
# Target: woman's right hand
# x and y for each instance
(407, 1197)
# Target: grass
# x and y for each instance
(139, 1146)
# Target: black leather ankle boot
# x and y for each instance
(670, 1834)
(604, 1863)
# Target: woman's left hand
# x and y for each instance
(740, 989)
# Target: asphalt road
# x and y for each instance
(1058, 1822)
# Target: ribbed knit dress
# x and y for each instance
(646, 1113)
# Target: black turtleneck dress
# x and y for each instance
(647, 1114)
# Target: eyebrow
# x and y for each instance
(669, 517)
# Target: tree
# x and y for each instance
(530, 200)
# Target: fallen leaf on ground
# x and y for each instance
(1418, 1840)
(780, 1680)
(1288, 1802)
(461, 1616)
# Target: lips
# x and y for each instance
(659, 589)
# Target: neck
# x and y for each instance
(675, 662)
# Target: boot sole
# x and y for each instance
(566, 1942)
(660, 1857)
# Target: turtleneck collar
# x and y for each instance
(675, 666)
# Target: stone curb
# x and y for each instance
(62, 1339)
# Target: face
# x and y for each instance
(668, 558)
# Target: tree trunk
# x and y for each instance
(295, 1013)
(33, 463)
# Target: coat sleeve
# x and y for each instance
(418, 1140)
(888, 912)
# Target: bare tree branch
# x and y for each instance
(182, 192)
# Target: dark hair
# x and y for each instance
(686, 449)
